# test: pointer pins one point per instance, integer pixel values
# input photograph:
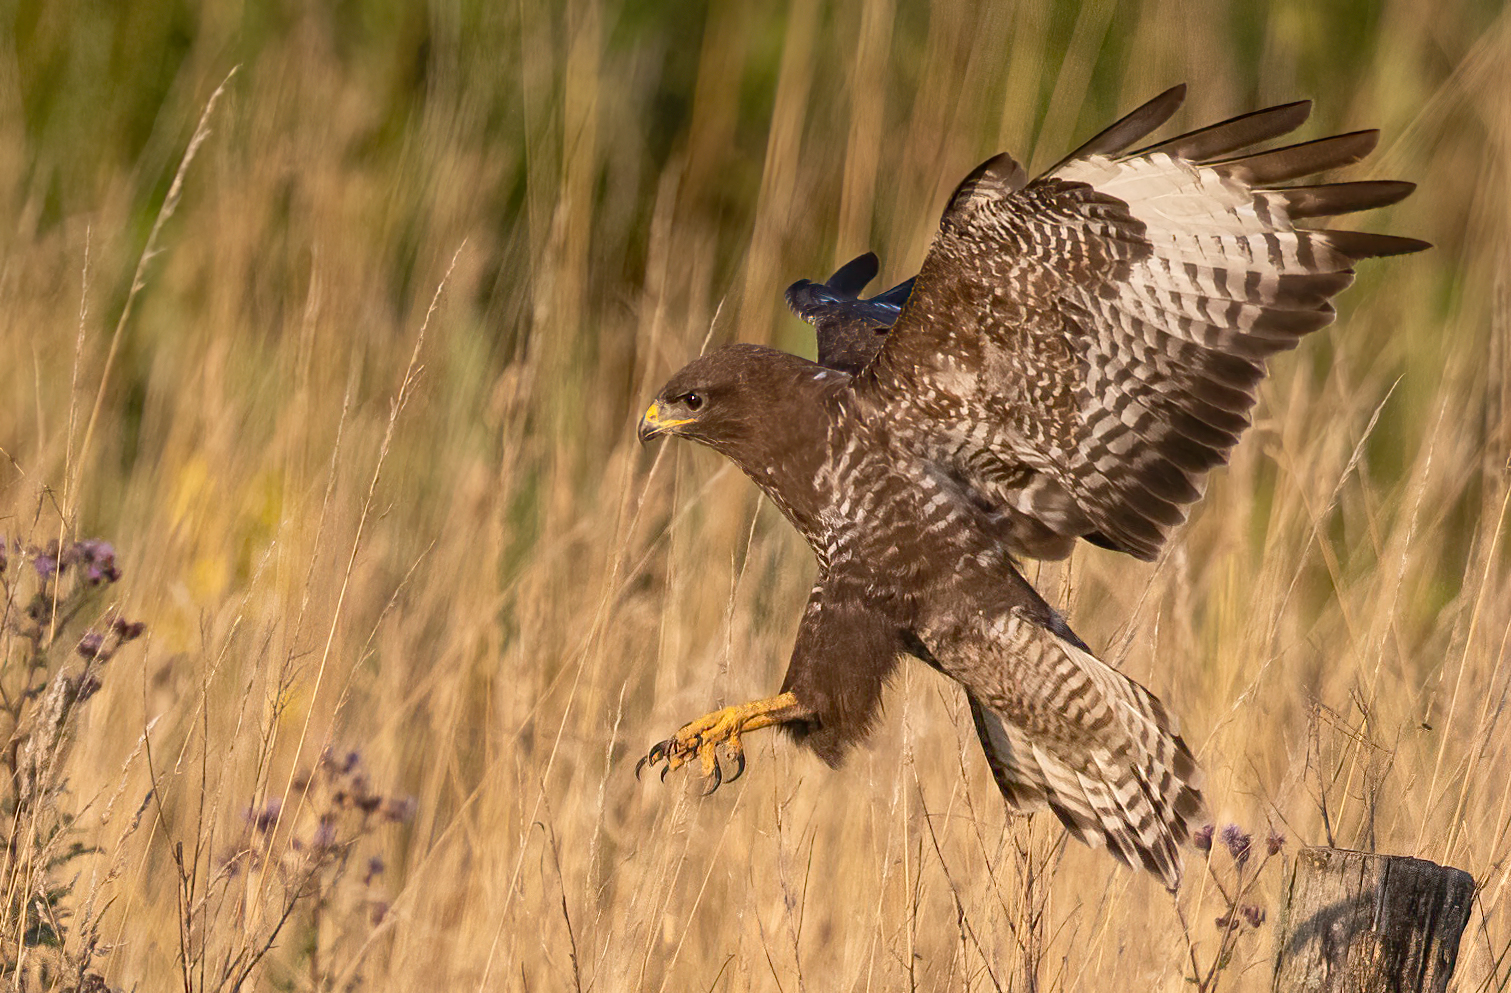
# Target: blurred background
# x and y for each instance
(354, 400)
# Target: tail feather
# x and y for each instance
(1099, 750)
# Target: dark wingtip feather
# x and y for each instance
(1189, 803)
(1131, 128)
(897, 295)
(1308, 290)
(1141, 522)
(1136, 537)
(1367, 245)
(1293, 323)
(1281, 165)
(1341, 198)
(852, 277)
(1234, 133)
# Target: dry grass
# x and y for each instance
(462, 567)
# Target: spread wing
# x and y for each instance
(850, 330)
(1083, 348)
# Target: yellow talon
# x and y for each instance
(726, 727)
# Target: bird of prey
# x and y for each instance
(1073, 357)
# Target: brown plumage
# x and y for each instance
(1076, 353)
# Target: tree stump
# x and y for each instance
(1353, 922)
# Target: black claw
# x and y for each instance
(664, 770)
(739, 766)
(718, 777)
(656, 754)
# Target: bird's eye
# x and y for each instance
(693, 400)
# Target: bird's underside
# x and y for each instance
(1073, 357)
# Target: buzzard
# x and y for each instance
(1074, 356)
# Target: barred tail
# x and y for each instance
(1101, 752)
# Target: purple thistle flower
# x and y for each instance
(95, 550)
(325, 833)
(45, 564)
(90, 645)
(266, 819)
(400, 810)
(1274, 843)
(1253, 914)
(98, 557)
(1238, 841)
(1202, 838)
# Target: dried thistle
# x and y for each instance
(53, 664)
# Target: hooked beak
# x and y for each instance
(652, 425)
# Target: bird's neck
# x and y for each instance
(785, 455)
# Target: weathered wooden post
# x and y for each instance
(1353, 922)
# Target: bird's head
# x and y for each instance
(720, 398)
(683, 403)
